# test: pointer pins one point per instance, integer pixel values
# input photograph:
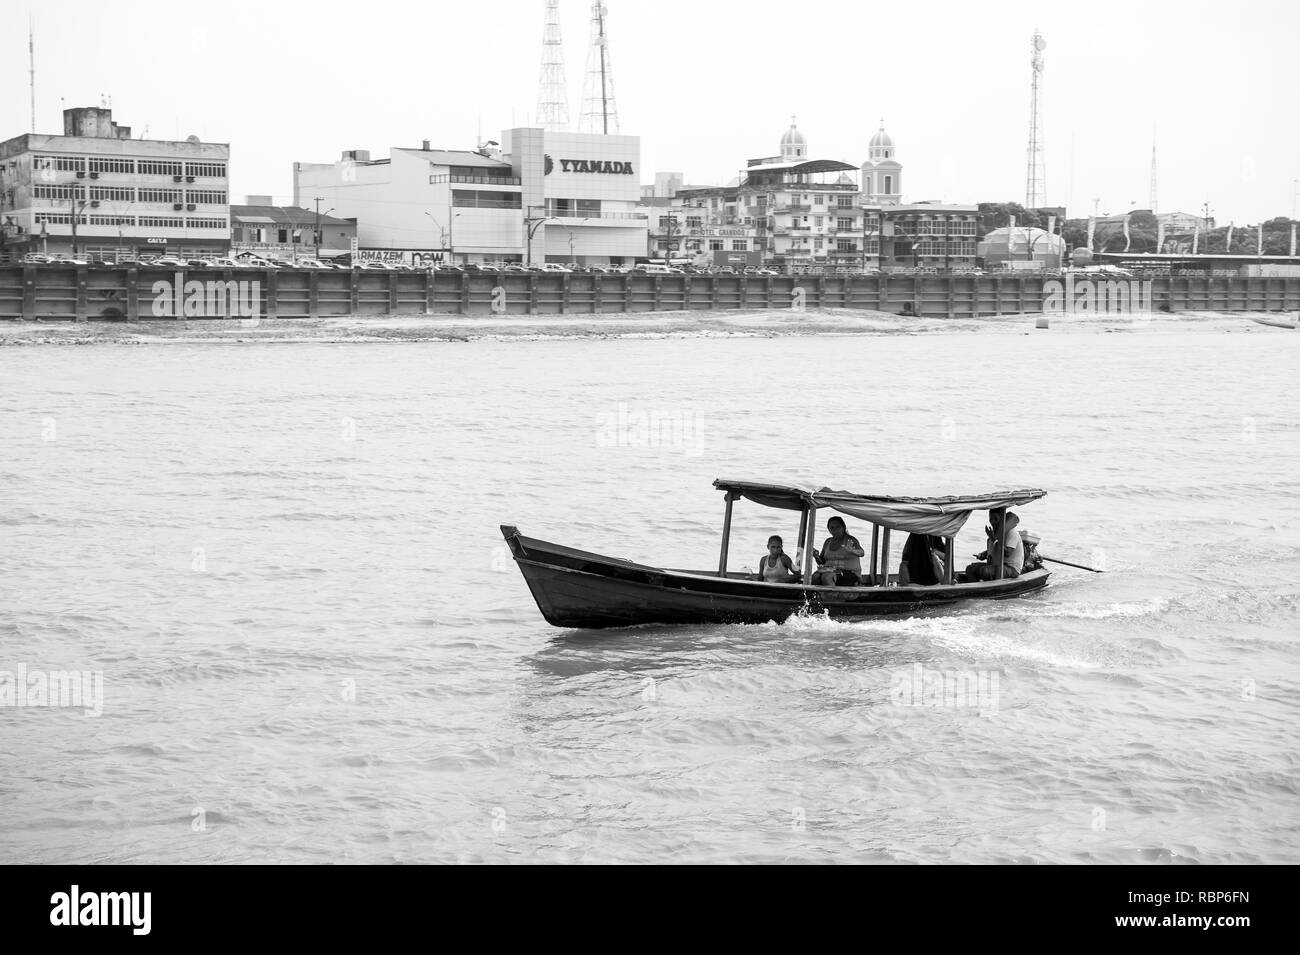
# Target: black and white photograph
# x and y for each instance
(593, 433)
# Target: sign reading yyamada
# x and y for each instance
(594, 165)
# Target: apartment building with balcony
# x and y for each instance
(798, 212)
(96, 191)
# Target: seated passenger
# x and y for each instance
(923, 558)
(1013, 550)
(838, 563)
(775, 566)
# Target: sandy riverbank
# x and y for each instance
(457, 328)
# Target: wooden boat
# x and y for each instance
(1279, 322)
(577, 588)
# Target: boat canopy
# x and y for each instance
(938, 516)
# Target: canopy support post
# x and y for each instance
(808, 548)
(999, 516)
(884, 558)
(948, 552)
(726, 535)
(803, 532)
(875, 543)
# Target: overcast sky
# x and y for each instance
(708, 85)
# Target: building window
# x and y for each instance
(154, 167)
(206, 224)
(211, 197)
(739, 245)
(817, 244)
(845, 245)
(284, 236)
(59, 163)
(67, 193)
(161, 195)
(471, 199)
(844, 202)
(694, 222)
(819, 200)
(112, 165)
(112, 194)
(716, 245)
(58, 218)
(161, 222)
(666, 222)
(843, 223)
(889, 185)
(112, 220)
(818, 221)
(211, 170)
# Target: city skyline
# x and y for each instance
(707, 87)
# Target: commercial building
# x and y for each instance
(288, 233)
(551, 196)
(96, 191)
(930, 235)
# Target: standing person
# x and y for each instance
(1013, 549)
(923, 560)
(775, 566)
(838, 560)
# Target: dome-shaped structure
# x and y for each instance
(1021, 244)
(881, 146)
(793, 143)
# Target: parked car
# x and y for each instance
(516, 268)
(35, 258)
(555, 267)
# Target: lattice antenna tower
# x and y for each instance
(1035, 174)
(599, 112)
(1153, 171)
(552, 88)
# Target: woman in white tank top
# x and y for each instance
(775, 566)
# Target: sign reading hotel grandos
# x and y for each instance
(593, 165)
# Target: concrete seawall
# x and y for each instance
(74, 293)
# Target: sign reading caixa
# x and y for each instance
(591, 165)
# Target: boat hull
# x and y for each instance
(579, 589)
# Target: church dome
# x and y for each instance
(793, 137)
(882, 140)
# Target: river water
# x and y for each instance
(283, 562)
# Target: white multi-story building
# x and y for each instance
(95, 191)
(548, 196)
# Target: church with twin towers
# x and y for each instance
(797, 211)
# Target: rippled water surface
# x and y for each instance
(285, 561)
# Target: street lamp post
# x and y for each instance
(76, 213)
(531, 225)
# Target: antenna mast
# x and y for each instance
(552, 95)
(1153, 171)
(1035, 175)
(31, 67)
(599, 112)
